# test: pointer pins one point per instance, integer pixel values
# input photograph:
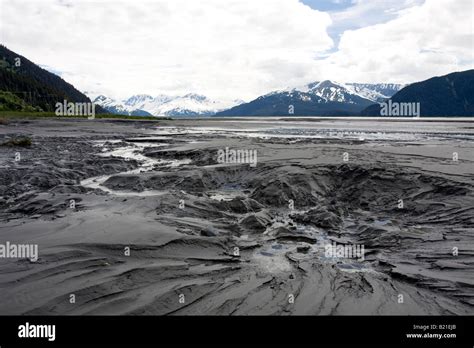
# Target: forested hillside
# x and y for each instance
(24, 86)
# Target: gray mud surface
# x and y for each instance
(223, 236)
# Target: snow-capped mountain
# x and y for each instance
(376, 92)
(190, 104)
(115, 107)
(163, 105)
(317, 99)
(138, 99)
(331, 91)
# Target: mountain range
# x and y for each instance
(163, 105)
(24, 86)
(449, 95)
(324, 98)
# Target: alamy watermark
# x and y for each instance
(345, 251)
(241, 156)
(391, 108)
(19, 251)
(28, 330)
(75, 109)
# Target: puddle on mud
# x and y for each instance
(272, 258)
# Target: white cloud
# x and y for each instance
(234, 48)
(229, 49)
(434, 38)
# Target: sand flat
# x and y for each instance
(183, 215)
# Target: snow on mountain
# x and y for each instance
(162, 105)
(331, 91)
(115, 107)
(322, 98)
(376, 92)
(353, 95)
(193, 104)
(137, 100)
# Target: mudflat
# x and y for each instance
(143, 218)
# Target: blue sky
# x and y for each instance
(331, 6)
(328, 5)
(356, 14)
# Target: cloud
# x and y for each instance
(236, 49)
(363, 13)
(433, 38)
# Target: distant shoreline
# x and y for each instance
(351, 118)
(51, 115)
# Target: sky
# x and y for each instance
(238, 49)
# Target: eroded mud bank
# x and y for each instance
(219, 238)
